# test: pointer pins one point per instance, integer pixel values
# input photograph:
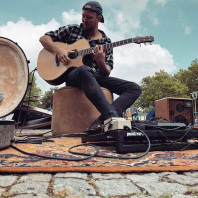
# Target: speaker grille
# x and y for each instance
(175, 109)
(181, 111)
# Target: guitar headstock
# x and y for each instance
(143, 39)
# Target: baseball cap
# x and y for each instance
(95, 7)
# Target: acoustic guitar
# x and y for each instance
(53, 71)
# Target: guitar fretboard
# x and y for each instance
(105, 46)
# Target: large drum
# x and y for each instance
(14, 76)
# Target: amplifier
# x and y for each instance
(7, 128)
(175, 109)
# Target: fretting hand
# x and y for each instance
(99, 54)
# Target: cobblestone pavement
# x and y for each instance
(98, 185)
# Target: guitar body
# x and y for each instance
(47, 66)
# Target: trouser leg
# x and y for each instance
(84, 78)
(128, 92)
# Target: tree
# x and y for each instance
(159, 86)
(33, 91)
(189, 77)
(47, 99)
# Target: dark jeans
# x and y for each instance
(84, 78)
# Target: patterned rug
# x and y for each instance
(13, 161)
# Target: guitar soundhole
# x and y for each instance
(88, 60)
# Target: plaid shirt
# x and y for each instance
(71, 33)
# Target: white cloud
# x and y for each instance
(71, 17)
(132, 62)
(125, 14)
(161, 2)
(186, 28)
(153, 18)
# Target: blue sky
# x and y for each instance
(173, 23)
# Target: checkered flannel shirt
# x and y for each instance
(71, 33)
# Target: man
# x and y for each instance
(95, 73)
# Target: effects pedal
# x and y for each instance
(114, 123)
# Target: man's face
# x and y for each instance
(90, 19)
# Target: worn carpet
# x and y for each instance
(13, 161)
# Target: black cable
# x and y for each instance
(177, 130)
(39, 141)
(28, 139)
(190, 143)
(61, 158)
(168, 139)
(175, 141)
(114, 157)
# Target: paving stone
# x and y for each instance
(194, 188)
(72, 174)
(183, 179)
(72, 186)
(31, 196)
(131, 185)
(30, 187)
(142, 196)
(40, 177)
(192, 174)
(163, 188)
(183, 196)
(162, 174)
(116, 187)
(7, 180)
(1, 191)
(107, 176)
(151, 183)
(150, 177)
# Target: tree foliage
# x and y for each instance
(159, 86)
(47, 99)
(33, 92)
(189, 77)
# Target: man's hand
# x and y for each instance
(50, 45)
(63, 55)
(99, 56)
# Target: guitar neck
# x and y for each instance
(106, 46)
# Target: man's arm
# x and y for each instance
(50, 45)
(99, 56)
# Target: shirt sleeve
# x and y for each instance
(109, 55)
(109, 58)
